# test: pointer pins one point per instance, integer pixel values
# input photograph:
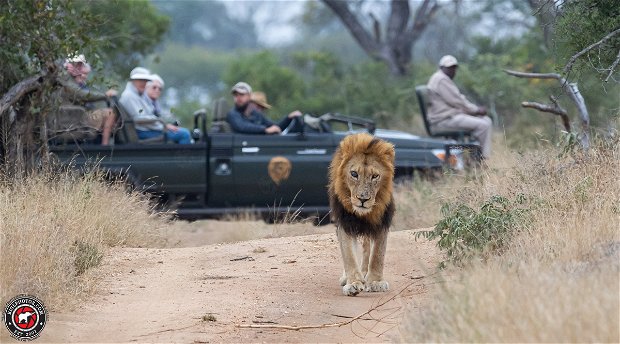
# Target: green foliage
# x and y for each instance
(185, 67)
(282, 85)
(464, 233)
(584, 22)
(207, 24)
(37, 33)
(128, 31)
(184, 112)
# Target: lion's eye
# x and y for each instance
(375, 176)
(354, 174)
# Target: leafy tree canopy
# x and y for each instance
(583, 23)
(207, 24)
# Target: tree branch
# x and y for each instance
(554, 109)
(341, 9)
(535, 75)
(572, 60)
(573, 92)
(613, 67)
(18, 90)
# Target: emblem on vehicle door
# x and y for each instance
(279, 169)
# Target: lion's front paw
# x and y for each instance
(353, 289)
(377, 286)
(343, 280)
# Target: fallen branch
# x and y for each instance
(554, 109)
(338, 324)
(18, 90)
(573, 92)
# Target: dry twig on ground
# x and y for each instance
(338, 324)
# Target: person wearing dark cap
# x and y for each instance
(451, 110)
(247, 116)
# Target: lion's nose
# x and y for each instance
(363, 200)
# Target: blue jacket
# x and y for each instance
(255, 123)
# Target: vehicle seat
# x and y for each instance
(219, 124)
(126, 132)
(317, 124)
(421, 92)
(70, 124)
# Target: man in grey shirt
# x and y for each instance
(450, 110)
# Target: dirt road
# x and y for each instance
(208, 293)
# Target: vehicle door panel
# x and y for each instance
(282, 170)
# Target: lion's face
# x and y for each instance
(364, 179)
(361, 175)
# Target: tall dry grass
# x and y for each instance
(54, 227)
(559, 279)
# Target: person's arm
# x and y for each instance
(240, 125)
(448, 91)
(75, 94)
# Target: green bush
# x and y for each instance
(465, 233)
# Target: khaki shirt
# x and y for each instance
(445, 99)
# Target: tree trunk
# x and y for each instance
(19, 145)
(395, 48)
(546, 13)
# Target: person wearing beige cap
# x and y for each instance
(247, 116)
(76, 91)
(451, 110)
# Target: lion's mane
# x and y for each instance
(380, 217)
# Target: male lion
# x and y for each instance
(360, 196)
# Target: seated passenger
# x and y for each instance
(75, 91)
(134, 102)
(246, 117)
(152, 94)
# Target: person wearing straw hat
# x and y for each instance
(451, 110)
(247, 116)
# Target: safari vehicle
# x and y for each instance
(225, 172)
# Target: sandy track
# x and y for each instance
(161, 295)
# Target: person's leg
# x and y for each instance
(147, 134)
(480, 127)
(97, 120)
(181, 136)
(108, 124)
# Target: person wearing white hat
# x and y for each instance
(174, 133)
(131, 98)
(451, 110)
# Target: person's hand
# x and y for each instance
(482, 110)
(111, 93)
(172, 128)
(294, 114)
(274, 129)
